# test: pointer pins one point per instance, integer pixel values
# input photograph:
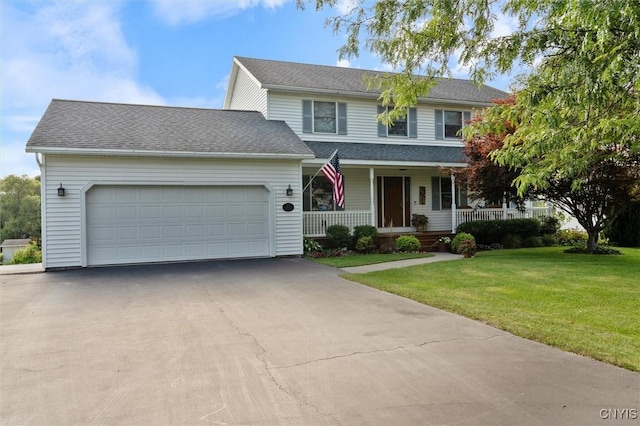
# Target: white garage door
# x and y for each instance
(137, 224)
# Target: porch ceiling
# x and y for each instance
(376, 152)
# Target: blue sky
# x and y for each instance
(158, 52)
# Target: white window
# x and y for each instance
(449, 123)
(319, 195)
(406, 126)
(324, 117)
(441, 195)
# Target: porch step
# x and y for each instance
(427, 239)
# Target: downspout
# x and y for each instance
(40, 159)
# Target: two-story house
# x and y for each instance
(390, 172)
(127, 184)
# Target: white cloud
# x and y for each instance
(187, 12)
(345, 6)
(344, 63)
(504, 26)
(69, 50)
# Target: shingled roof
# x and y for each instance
(377, 152)
(322, 78)
(96, 127)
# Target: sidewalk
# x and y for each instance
(438, 257)
(32, 268)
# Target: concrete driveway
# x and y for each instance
(275, 341)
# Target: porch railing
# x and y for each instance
(314, 224)
(468, 215)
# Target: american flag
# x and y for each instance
(332, 172)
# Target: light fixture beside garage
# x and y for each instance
(289, 191)
(61, 191)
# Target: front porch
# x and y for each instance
(315, 223)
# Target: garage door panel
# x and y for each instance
(155, 223)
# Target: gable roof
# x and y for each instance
(292, 76)
(125, 129)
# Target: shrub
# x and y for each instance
(511, 241)
(549, 225)
(338, 236)
(365, 231)
(29, 254)
(310, 245)
(533, 241)
(494, 231)
(549, 240)
(365, 244)
(581, 248)
(624, 228)
(571, 237)
(407, 243)
(461, 236)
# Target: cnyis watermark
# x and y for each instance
(619, 413)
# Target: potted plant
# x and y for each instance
(467, 248)
(419, 221)
(465, 244)
(442, 244)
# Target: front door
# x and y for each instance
(393, 202)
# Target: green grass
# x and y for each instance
(367, 259)
(586, 304)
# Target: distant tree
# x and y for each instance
(19, 207)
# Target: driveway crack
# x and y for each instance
(259, 356)
(418, 345)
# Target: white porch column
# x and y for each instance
(454, 213)
(372, 207)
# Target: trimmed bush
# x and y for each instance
(511, 241)
(407, 243)
(338, 237)
(549, 240)
(365, 244)
(461, 236)
(489, 232)
(29, 254)
(533, 241)
(549, 225)
(624, 228)
(365, 231)
(571, 237)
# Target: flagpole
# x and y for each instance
(312, 177)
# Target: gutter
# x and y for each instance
(180, 154)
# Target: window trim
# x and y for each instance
(309, 119)
(440, 124)
(436, 194)
(411, 126)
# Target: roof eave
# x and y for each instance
(368, 95)
(179, 154)
(386, 163)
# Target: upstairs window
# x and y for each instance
(449, 123)
(406, 126)
(324, 117)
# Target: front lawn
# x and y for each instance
(587, 304)
(356, 259)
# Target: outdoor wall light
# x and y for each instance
(289, 191)
(61, 191)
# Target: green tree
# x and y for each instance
(19, 207)
(577, 107)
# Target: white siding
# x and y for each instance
(63, 215)
(247, 95)
(361, 120)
